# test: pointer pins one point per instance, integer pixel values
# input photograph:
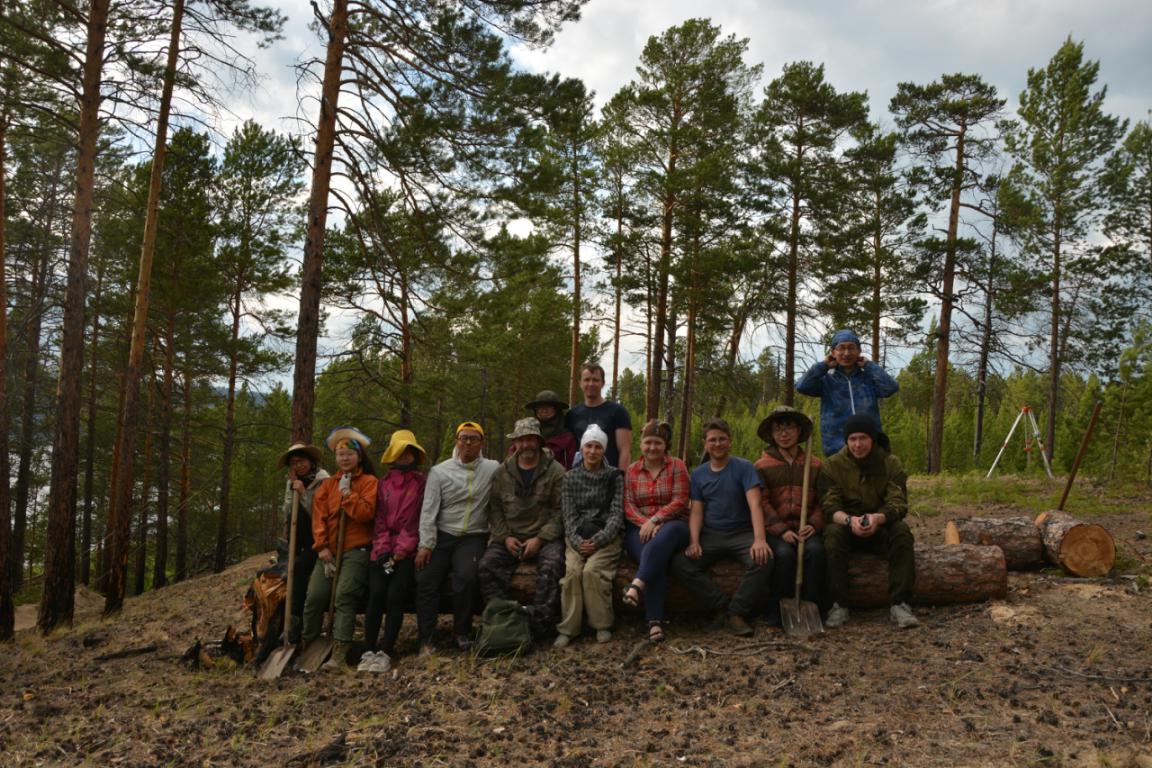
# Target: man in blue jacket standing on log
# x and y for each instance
(847, 383)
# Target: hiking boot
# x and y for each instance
(903, 617)
(338, 661)
(603, 635)
(295, 625)
(837, 616)
(561, 641)
(739, 626)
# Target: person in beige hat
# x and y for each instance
(304, 476)
(391, 567)
(525, 516)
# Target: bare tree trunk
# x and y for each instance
(90, 438)
(308, 323)
(1054, 351)
(663, 270)
(406, 369)
(793, 280)
(985, 348)
(118, 513)
(28, 411)
(877, 279)
(619, 295)
(164, 459)
(688, 377)
(58, 598)
(221, 559)
(185, 478)
(7, 608)
(944, 327)
(574, 366)
(145, 497)
(669, 379)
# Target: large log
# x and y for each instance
(1017, 536)
(1082, 549)
(945, 575)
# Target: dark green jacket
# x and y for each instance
(526, 511)
(876, 484)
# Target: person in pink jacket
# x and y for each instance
(391, 572)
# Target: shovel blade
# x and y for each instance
(315, 654)
(276, 662)
(800, 617)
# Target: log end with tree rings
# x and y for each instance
(1081, 549)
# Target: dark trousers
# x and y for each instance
(387, 594)
(892, 541)
(460, 556)
(301, 573)
(497, 567)
(724, 545)
(653, 559)
(784, 570)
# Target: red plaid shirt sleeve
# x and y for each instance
(664, 496)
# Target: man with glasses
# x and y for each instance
(781, 471)
(846, 383)
(453, 532)
(527, 525)
(725, 523)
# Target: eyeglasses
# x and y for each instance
(469, 439)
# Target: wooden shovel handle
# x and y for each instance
(291, 562)
(803, 514)
(336, 576)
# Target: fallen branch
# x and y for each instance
(634, 654)
(139, 650)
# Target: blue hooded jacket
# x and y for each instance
(843, 394)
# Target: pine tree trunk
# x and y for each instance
(1054, 352)
(164, 459)
(618, 292)
(7, 609)
(689, 375)
(308, 322)
(944, 327)
(118, 513)
(185, 478)
(58, 598)
(790, 322)
(90, 438)
(655, 367)
(877, 280)
(145, 497)
(28, 412)
(985, 349)
(221, 559)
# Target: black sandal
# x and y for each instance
(655, 632)
(632, 594)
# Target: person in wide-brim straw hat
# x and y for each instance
(304, 477)
(396, 533)
(559, 442)
(349, 495)
(781, 471)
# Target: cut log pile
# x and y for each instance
(945, 575)
(1054, 537)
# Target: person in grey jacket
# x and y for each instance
(526, 525)
(453, 531)
(304, 476)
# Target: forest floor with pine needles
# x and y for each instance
(1057, 674)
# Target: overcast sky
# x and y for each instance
(866, 45)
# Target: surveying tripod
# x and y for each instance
(1025, 411)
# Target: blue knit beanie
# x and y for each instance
(843, 335)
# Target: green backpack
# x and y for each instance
(505, 631)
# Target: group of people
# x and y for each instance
(569, 499)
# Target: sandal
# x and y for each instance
(632, 594)
(655, 632)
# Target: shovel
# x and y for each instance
(275, 663)
(320, 649)
(801, 617)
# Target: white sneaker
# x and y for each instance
(603, 635)
(561, 641)
(382, 662)
(903, 617)
(366, 662)
(837, 616)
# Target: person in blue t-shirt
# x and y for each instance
(725, 523)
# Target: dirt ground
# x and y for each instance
(1057, 674)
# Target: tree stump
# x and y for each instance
(945, 575)
(1082, 549)
(1017, 536)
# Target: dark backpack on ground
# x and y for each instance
(505, 630)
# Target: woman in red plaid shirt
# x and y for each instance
(656, 512)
